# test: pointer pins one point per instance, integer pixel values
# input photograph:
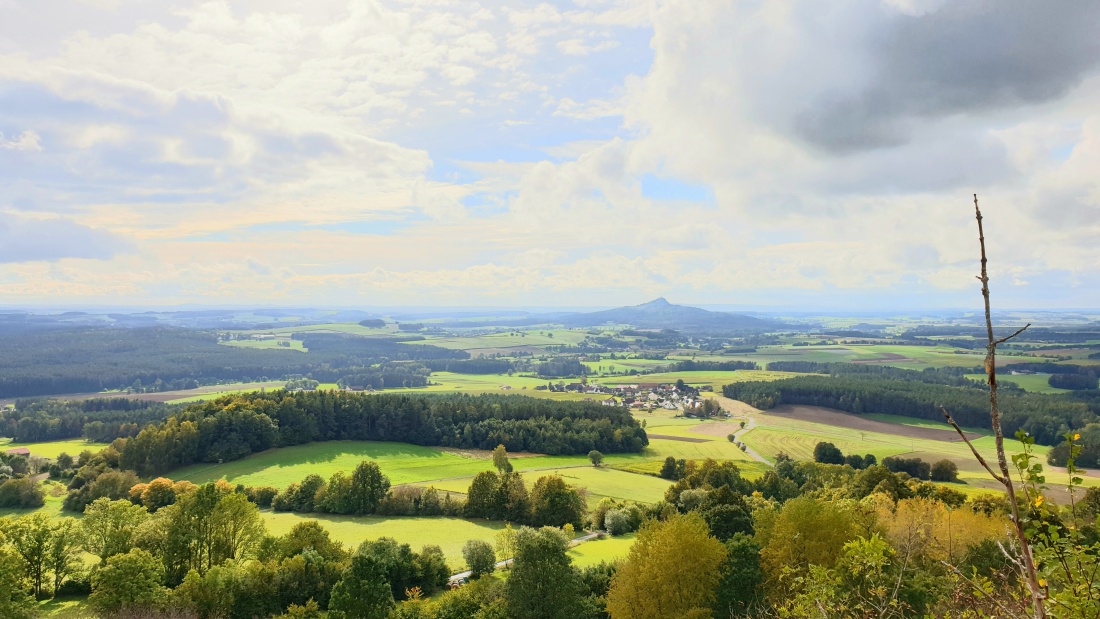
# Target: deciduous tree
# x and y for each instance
(672, 570)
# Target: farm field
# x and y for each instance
(449, 382)
(448, 533)
(1035, 383)
(52, 449)
(714, 378)
(610, 366)
(282, 343)
(211, 392)
(911, 357)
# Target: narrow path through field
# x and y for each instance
(461, 577)
(746, 411)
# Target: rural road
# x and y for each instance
(748, 450)
(462, 577)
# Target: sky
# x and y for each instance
(786, 153)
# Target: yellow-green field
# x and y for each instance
(52, 449)
(1035, 383)
(608, 550)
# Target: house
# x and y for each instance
(19, 451)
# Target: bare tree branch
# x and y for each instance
(1005, 339)
(973, 450)
(1031, 573)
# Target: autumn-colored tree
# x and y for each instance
(672, 570)
(807, 531)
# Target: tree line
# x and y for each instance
(1047, 418)
(232, 427)
(97, 419)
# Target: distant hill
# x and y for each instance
(660, 314)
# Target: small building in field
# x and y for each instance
(19, 451)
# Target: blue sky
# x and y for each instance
(785, 153)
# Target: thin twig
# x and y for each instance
(1031, 573)
(1005, 339)
(973, 449)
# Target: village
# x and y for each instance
(644, 396)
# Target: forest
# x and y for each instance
(60, 361)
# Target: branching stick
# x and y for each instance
(1031, 574)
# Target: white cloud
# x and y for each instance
(27, 141)
(422, 152)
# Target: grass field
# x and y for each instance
(595, 552)
(213, 392)
(1035, 383)
(401, 462)
(911, 357)
(410, 464)
(53, 449)
(715, 379)
(448, 382)
(276, 344)
(448, 533)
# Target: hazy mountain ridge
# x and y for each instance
(660, 314)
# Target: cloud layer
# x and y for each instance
(769, 152)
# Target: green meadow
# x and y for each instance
(52, 449)
(1035, 383)
(608, 550)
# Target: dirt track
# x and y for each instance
(828, 416)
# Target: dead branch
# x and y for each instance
(1031, 573)
(973, 449)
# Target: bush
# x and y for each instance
(828, 453)
(945, 470)
(617, 522)
(22, 494)
(480, 557)
(262, 496)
